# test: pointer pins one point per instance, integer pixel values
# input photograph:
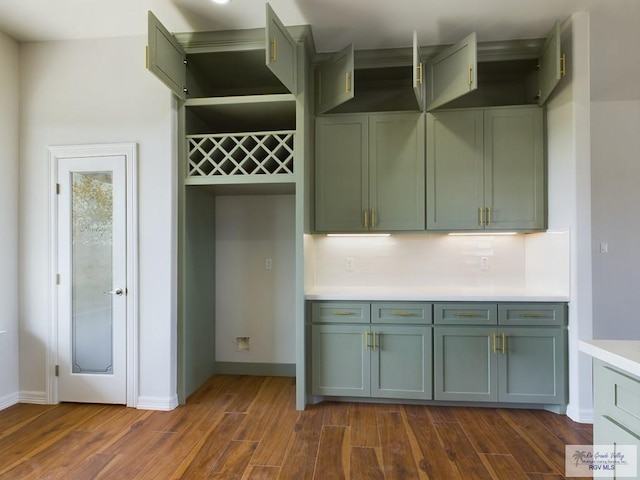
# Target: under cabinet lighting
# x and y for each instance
(358, 234)
(480, 234)
(221, 2)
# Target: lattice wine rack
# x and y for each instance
(233, 154)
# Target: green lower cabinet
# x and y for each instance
(511, 365)
(340, 360)
(385, 361)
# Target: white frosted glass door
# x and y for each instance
(92, 264)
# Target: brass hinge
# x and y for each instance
(57, 189)
(57, 370)
(563, 65)
(57, 279)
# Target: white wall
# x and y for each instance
(98, 91)
(252, 301)
(615, 188)
(9, 87)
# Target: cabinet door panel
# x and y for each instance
(396, 172)
(334, 80)
(281, 55)
(401, 362)
(418, 72)
(550, 62)
(452, 73)
(514, 168)
(532, 367)
(340, 360)
(166, 58)
(465, 364)
(455, 166)
(342, 146)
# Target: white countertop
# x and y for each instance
(623, 354)
(432, 294)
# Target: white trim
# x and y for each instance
(157, 403)
(129, 150)
(38, 398)
(9, 400)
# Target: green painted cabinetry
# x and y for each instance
(485, 169)
(616, 408)
(370, 173)
(389, 358)
(480, 357)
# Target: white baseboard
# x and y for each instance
(584, 415)
(9, 400)
(157, 403)
(39, 398)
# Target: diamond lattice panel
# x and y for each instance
(258, 153)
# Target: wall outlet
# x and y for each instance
(604, 247)
(348, 264)
(484, 263)
(268, 263)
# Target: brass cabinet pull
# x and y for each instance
(342, 313)
(420, 80)
(481, 216)
(373, 218)
(274, 53)
(465, 314)
(504, 344)
(488, 216)
(531, 315)
(366, 219)
(366, 339)
(374, 342)
(563, 64)
(470, 75)
(402, 314)
(347, 82)
(493, 347)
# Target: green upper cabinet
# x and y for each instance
(334, 80)
(220, 64)
(485, 169)
(166, 58)
(281, 56)
(550, 65)
(418, 72)
(468, 74)
(370, 173)
(452, 73)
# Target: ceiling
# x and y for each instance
(335, 23)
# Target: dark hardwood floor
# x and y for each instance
(237, 427)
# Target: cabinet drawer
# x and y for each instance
(617, 396)
(465, 313)
(401, 312)
(547, 314)
(340, 312)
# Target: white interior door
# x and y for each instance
(92, 290)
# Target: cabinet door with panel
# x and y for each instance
(465, 363)
(532, 365)
(342, 173)
(340, 360)
(401, 361)
(485, 169)
(370, 173)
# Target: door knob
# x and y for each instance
(118, 291)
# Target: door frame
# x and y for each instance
(129, 151)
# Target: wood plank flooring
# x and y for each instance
(243, 427)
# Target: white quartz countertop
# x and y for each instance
(623, 354)
(433, 294)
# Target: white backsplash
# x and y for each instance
(443, 261)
